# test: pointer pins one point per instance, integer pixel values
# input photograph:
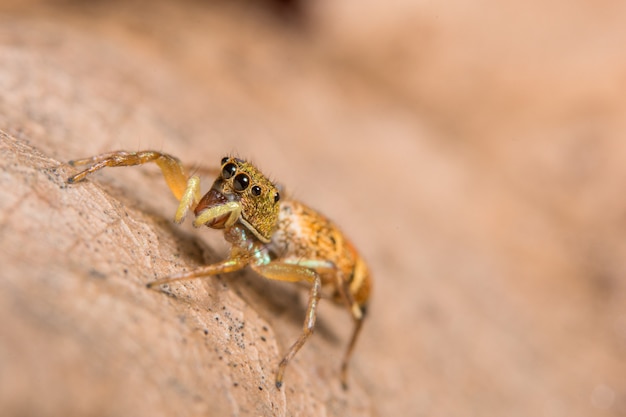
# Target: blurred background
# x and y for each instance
(475, 153)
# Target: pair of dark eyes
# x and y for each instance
(242, 181)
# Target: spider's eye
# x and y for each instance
(276, 197)
(224, 160)
(241, 182)
(256, 190)
(228, 171)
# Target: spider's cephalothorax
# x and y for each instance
(241, 182)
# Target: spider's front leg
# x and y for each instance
(171, 167)
(225, 266)
(185, 189)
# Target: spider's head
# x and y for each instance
(242, 189)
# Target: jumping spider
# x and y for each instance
(279, 238)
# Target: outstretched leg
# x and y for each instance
(225, 266)
(294, 273)
(358, 323)
(358, 314)
(172, 168)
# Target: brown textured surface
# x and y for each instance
(475, 155)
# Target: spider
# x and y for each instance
(279, 238)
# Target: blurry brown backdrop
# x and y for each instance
(474, 152)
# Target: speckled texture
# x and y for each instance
(473, 153)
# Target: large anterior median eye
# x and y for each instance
(241, 182)
(228, 171)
